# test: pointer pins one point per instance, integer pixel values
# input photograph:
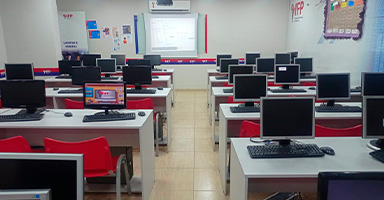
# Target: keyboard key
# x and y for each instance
(23, 117)
(284, 151)
(338, 109)
(110, 117)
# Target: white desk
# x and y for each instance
(230, 123)
(295, 174)
(138, 133)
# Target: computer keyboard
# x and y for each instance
(134, 91)
(221, 77)
(110, 117)
(245, 109)
(287, 90)
(355, 90)
(228, 90)
(378, 155)
(110, 78)
(77, 91)
(338, 109)
(63, 77)
(284, 151)
(22, 117)
(157, 70)
(155, 76)
(307, 77)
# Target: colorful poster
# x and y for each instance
(94, 34)
(116, 44)
(126, 29)
(91, 24)
(105, 32)
(115, 32)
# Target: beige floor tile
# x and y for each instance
(258, 195)
(202, 116)
(183, 133)
(190, 108)
(201, 94)
(201, 108)
(203, 133)
(202, 123)
(207, 160)
(177, 114)
(172, 195)
(209, 195)
(174, 179)
(175, 160)
(207, 179)
(183, 123)
(182, 144)
(203, 144)
(110, 196)
(201, 99)
(136, 163)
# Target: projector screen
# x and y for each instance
(171, 35)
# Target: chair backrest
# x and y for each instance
(140, 104)
(71, 104)
(321, 131)
(97, 155)
(227, 85)
(1, 106)
(16, 144)
(249, 129)
(309, 84)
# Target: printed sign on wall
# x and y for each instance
(297, 11)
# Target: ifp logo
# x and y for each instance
(67, 16)
(296, 10)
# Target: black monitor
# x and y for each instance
(350, 185)
(80, 75)
(105, 95)
(61, 173)
(294, 54)
(287, 118)
(19, 71)
(238, 69)
(372, 84)
(27, 94)
(90, 59)
(155, 60)
(249, 88)
(282, 58)
(250, 58)
(107, 66)
(332, 87)
(287, 75)
(65, 66)
(265, 65)
(373, 121)
(120, 59)
(306, 64)
(225, 62)
(220, 56)
(137, 75)
(139, 62)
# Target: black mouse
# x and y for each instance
(141, 113)
(68, 114)
(312, 88)
(160, 88)
(165, 70)
(55, 88)
(327, 150)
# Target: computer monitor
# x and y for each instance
(19, 71)
(287, 74)
(65, 66)
(90, 59)
(107, 66)
(250, 58)
(332, 87)
(26, 94)
(25, 194)
(238, 69)
(120, 59)
(372, 84)
(139, 62)
(350, 185)
(306, 64)
(282, 58)
(225, 62)
(287, 118)
(249, 88)
(373, 121)
(265, 65)
(61, 173)
(80, 75)
(137, 75)
(294, 54)
(220, 56)
(155, 60)
(105, 95)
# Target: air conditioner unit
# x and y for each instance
(177, 7)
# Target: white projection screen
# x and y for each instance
(171, 35)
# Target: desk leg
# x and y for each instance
(239, 183)
(212, 115)
(169, 121)
(223, 151)
(55, 105)
(208, 92)
(147, 157)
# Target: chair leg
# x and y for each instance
(127, 178)
(122, 161)
(118, 182)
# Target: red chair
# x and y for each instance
(97, 158)
(321, 131)
(226, 84)
(309, 84)
(1, 106)
(16, 144)
(71, 104)
(249, 129)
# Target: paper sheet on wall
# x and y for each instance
(115, 32)
(91, 24)
(94, 34)
(126, 36)
(105, 32)
(116, 44)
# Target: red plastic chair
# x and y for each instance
(72, 104)
(1, 106)
(16, 144)
(97, 158)
(226, 84)
(249, 129)
(321, 131)
(309, 84)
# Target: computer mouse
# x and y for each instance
(68, 114)
(160, 88)
(327, 150)
(312, 88)
(141, 113)
(165, 70)
(55, 88)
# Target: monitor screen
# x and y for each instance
(155, 60)
(294, 54)
(332, 86)
(61, 173)
(80, 75)
(120, 59)
(373, 117)
(287, 118)
(137, 75)
(372, 84)
(23, 94)
(19, 71)
(225, 62)
(249, 87)
(265, 65)
(287, 74)
(305, 64)
(107, 65)
(282, 58)
(238, 69)
(220, 56)
(90, 59)
(250, 58)
(105, 95)
(139, 62)
(65, 66)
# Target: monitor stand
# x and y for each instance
(284, 142)
(285, 87)
(376, 144)
(138, 87)
(29, 111)
(331, 103)
(248, 104)
(106, 112)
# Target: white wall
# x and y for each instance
(31, 31)
(3, 54)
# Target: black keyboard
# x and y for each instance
(134, 91)
(378, 155)
(221, 77)
(110, 78)
(285, 151)
(307, 77)
(155, 76)
(245, 109)
(338, 109)
(228, 90)
(157, 70)
(110, 117)
(270, 77)
(287, 91)
(23, 117)
(355, 90)
(70, 91)
(63, 77)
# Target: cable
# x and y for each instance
(258, 141)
